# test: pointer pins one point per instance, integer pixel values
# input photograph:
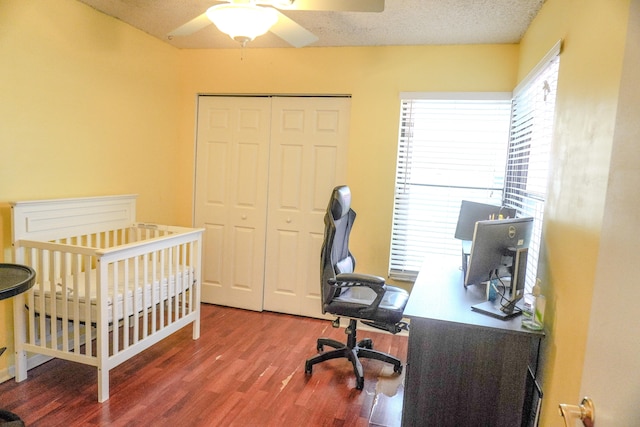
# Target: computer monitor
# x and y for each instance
(496, 246)
(471, 212)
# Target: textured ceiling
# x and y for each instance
(403, 22)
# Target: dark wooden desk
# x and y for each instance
(463, 368)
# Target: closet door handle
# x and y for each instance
(288, 220)
(244, 216)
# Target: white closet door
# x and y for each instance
(232, 157)
(309, 139)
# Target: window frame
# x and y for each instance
(527, 199)
(406, 249)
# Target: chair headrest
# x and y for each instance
(340, 202)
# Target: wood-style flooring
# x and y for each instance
(247, 369)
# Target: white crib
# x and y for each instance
(106, 287)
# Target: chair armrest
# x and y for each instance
(375, 283)
(349, 280)
(359, 279)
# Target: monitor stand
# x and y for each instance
(493, 309)
(466, 251)
(516, 287)
(499, 310)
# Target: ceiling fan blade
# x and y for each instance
(292, 32)
(196, 24)
(333, 5)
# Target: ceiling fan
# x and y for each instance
(243, 20)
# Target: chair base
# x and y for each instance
(353, 351)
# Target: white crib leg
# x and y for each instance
(197, 296)
(196, 327)
(103, 385)
(196, 322)
(20, 336)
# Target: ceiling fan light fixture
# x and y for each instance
(242, 22)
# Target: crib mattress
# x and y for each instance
(133, 295)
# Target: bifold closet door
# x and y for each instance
(232, 159)
(308, 158)
(265, 169)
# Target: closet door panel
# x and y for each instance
(316, 130)
(232, 157)
(216, 154)
(311, 286)
(290, 170)
(212, 269)
(243, 246)
(285, 276)
(324, 172)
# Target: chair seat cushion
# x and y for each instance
(352, 301)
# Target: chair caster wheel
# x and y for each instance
(307, 368)
(319, 347)
(397, 369)
(367, 343)
(359, 383)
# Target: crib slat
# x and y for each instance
(125, 304)
(189, 283)
(112, 293)
(185, 275)
(62, 261)
(85, 270)
(177, 282)
(137, 299)
(52, 329)
(41, 300)
(154, 278)
(145, 297)
(32, 260)
(164, 280)
(75, 303)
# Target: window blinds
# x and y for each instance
(529, 148)
(448, 150)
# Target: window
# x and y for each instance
(454, 147)
(451, 147)
(529, 147)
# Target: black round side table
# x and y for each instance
(14, 280)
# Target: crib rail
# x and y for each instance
(101, 298)
(114, 238)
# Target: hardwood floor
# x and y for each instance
(247, 369)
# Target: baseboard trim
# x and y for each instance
(32, 362)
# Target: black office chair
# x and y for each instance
(353, 295)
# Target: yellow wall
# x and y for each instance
(594, 33)
(87, 107)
